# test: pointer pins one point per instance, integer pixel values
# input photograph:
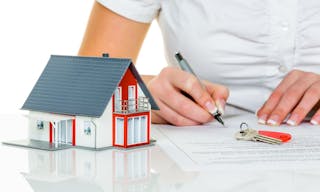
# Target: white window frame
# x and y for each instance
(118, 99)
(132, 98)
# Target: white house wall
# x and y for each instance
(83, 139)
(43, 116)
(104, 127)
(38, 134)
(140, 92)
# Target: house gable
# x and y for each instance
(143, 87)
(128, 80)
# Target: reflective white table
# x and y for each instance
(141, 169)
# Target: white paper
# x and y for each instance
(212, 146)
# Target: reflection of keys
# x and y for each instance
(253, 135)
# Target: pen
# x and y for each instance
(186, 67)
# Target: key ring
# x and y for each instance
(241, 127)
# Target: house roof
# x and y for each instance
(83, 86)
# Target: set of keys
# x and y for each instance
(269, 137)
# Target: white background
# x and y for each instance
(32, 30)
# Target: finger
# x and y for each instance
(173, 117)
(157, 119)
(219, 93)
(163, 90)
(265, 111)
(192, 86)
(292, 97)
(316, 118)
(184, 106)
(309, 100)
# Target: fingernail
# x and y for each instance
(273, 120)
(262, 119)
(293, 120)
(287, 118)
(221, 104)
(211, 107)
(315, 120)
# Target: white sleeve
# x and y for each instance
(138, 10)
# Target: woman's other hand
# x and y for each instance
(296, 95)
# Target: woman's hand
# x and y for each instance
(295, 97)
(176, 108)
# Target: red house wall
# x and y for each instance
(127, 80)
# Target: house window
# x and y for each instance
(40, 124)
(117, 99)
(143, 129)
(87, 128)
(137, 130)
(130, 131)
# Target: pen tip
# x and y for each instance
(178, 56)
(219, 119)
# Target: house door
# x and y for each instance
(117, 99)
(119, 134)
(131, 98)
(63, 132)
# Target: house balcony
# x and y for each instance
(132, 105)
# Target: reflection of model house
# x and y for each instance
(82, 170)
(93, 102)
(67, 170)
(131, 169)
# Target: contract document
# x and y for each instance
(212, 146)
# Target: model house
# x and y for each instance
(90, 102)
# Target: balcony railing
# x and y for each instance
(132, 105)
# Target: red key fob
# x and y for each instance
(284, 137)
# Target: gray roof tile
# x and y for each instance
(83, 86)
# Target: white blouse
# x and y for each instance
(247, 45)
